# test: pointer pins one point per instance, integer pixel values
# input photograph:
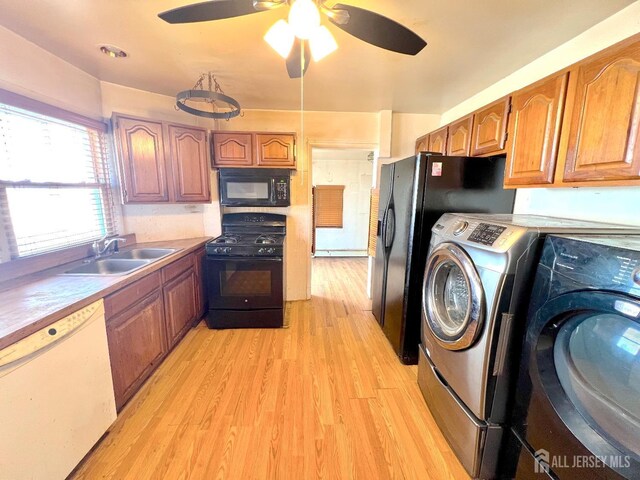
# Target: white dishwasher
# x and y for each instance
(56, 397)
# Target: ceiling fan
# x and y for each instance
(303, 37)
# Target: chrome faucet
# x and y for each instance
(101, 247)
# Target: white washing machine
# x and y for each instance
(475, 294)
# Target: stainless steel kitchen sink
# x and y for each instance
(108, 266)
(143, 253)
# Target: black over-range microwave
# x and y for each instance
(255, 187)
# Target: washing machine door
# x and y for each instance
(452, 297)
(586, 358)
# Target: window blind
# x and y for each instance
(328, 206)
(55, 189)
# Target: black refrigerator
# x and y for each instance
(414, 193)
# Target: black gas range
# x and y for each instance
(245, 272)
(254, 245)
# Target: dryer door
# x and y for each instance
(452, 297)
(584, 365)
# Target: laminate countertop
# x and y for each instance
(32, 302)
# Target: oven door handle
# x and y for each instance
(246, 259)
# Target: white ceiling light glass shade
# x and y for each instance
(322, 43)
(280, 37)
(304, 18)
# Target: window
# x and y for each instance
(328, 205)
(55, 189)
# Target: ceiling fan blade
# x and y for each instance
(206, 11)
(380, 31)
(295, 66)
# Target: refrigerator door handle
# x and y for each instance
(390, 228)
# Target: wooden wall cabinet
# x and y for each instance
(252, 149)
(161, 162)
(143, 165)
(233, 149)
(189, 164)
(603, 116)
(438, 140)
(534, 132)
(422, 144)
(147, 318)
(490, 128)
(459, 139)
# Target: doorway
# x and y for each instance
(341, 198)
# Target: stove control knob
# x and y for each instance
(271, 250)
(226, 250)
(460, 227)
(261, 250)
(217, 250)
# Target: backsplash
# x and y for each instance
(613, 205)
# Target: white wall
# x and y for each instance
(33, 72)
(352, 169)
(606, 204)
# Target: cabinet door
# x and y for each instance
(201, 296)
(189, 165)
(275, 150)
(534, 132)
(604, 123)
(422, 144)
(233, 149)
(180, 304)
(137, 343)
(142, 160)
(490, 128)
(438, 141)
(459, 141)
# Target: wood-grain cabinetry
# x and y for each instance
(189, 164)
(232, 149)
(136, 334)
(161, 162)
(422, 144)
(438, 140)
(459, 138)
(142, 160)
(603, 116)
(180, 296)
(201, 294)
(490, 128)
(251, 149)
(534, 132)
(147, 318)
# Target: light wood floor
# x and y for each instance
(325, 398)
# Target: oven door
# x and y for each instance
(244, 283)
(246, 191)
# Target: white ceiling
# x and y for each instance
(471, 44)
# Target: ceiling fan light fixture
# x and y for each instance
(304, 18)
(280, 37)
(322, 43)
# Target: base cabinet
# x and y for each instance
(180, 304)
(137, 343)
(146, 319)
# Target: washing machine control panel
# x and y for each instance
(486, 234)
